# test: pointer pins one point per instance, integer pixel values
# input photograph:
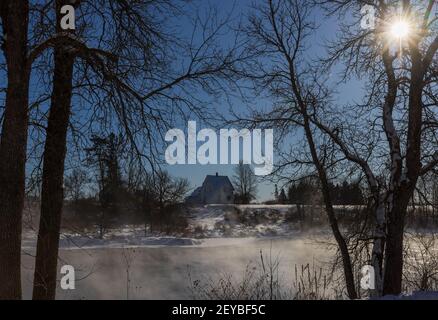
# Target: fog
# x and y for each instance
(163, 272)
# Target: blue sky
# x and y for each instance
(348, 92)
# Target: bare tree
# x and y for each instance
(75, 184)
(21, 52)
(245, 183)
(14, 20)
(401, 102)
(168, 190)
(278, 31)
(128, 71)
(52, 193)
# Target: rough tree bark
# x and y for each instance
(13, 146)
(52, 195)
(403, 185)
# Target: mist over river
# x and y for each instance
(162, 272)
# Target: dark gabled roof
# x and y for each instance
(195, 196)
(197, 192)
(217, 181)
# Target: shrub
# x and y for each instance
(262, 281)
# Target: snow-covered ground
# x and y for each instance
(421, 295)
(230, 221)
(237, 221)
(208, 226)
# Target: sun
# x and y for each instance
(400, 29)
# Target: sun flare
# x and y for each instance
(400, 29)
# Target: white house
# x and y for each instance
(215, 190)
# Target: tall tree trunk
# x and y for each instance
(378, 249)
(44, 287)
(13, 147)
(342, 245)
(394, 246)
(404, 188)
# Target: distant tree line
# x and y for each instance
(104, 195)
(307, 192)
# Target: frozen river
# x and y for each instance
(161, 272)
